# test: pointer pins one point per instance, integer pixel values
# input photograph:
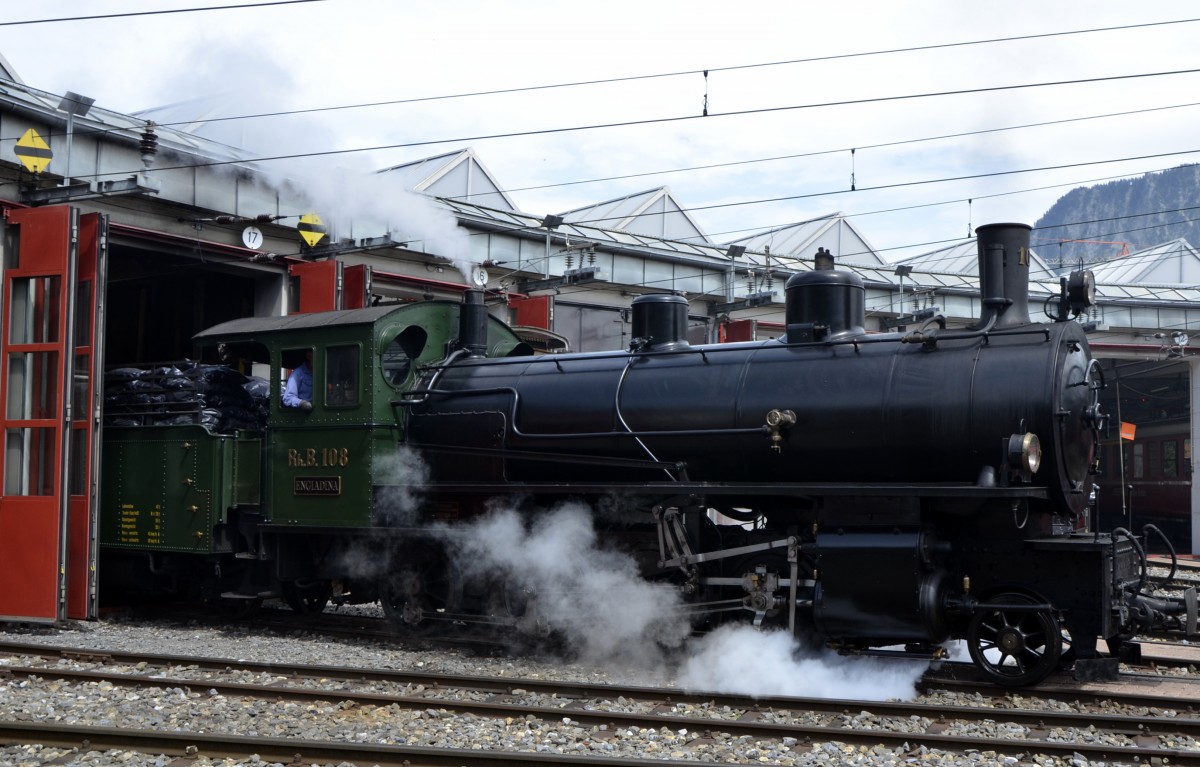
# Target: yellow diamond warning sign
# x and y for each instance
(311, 228)
(33, 152)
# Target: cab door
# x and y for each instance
(53, 268)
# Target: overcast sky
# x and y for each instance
(784, 157)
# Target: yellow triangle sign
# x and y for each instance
(33, 152)
(311, 228)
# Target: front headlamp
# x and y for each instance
(1024, 453)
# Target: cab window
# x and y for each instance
(290, 361)
(341, 376)
(396, 361)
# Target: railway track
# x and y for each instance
(952, 678)
(696, 716)
(287, 750)
(1169, 650)
(292, 751)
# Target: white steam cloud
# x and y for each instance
(304, 152)
(596, 599)
(742, 660)
(360, 203)
(400, 487)
(592, 595)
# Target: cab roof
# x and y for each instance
(253, 326)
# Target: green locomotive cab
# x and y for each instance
(317, 502)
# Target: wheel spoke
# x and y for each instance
(1015, 647)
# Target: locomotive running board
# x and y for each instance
(795, 489)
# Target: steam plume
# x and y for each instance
(592, 595)
(401, 479)
(740, 659)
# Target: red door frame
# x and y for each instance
(39, 319)
(356, 287)
(83, 516)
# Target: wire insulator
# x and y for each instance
(148, 146)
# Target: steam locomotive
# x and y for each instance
(867, 489)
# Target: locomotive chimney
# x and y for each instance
(1003, 275)
(824, 304)
(660, 323)
(472, 324)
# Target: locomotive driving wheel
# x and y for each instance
(1013, 645)
(419, 590)
(307, 597)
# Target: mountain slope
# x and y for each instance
(1110, 214)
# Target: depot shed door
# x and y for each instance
(53, 285)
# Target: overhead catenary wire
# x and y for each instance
(903, 184)
(815, 153)
(653, 121)
(811, 195)
(633, 78)
(840, 150)
(955, 240)
(158, 12)
(896, 50)
(955, 201)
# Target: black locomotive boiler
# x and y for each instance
(867, 489)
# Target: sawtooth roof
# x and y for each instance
(458, 175)
(963, 258)
(800, 240)
(1173, 262)
(654, 213)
